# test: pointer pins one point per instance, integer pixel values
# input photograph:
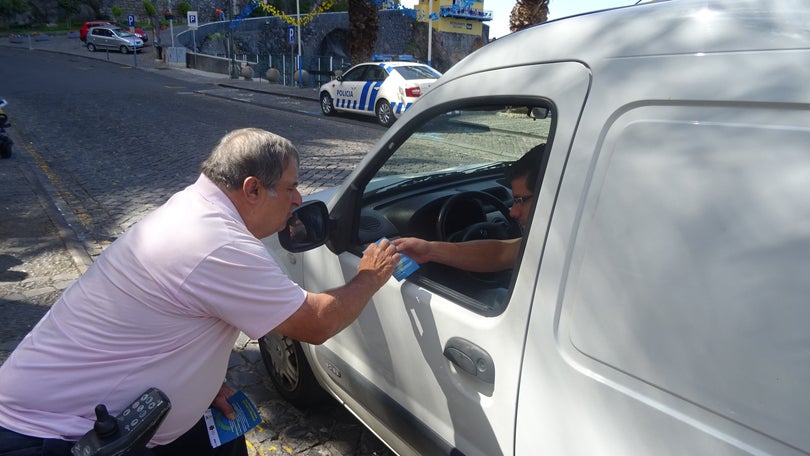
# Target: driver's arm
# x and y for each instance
(485, 255)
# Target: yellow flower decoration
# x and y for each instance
(302, 20)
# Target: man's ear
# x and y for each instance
(251, 188)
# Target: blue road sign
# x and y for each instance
(131, 20)
(291, 34)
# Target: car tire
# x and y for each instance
(290, 372)
(385, 113)
(124, 49)
(5, 146)
(327, 105)
(91, 47)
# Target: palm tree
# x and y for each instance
(527, 13)
(363, 25)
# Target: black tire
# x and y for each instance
(91, 47)
(327, 105)
(290, 372)
(5, 146)
(385, 113)
(124, 49)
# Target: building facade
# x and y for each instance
(455, 16)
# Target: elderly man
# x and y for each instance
(164, 304)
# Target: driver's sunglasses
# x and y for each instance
(519, 200)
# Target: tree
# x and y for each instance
(527, 13)
(363, 26)
(71, 7)
(152, 14)
(116, 12)
(182, 9)
(9, 8)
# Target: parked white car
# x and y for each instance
(112, 37)
(381, 89)
(659, 304)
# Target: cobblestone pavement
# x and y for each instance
(41, 254)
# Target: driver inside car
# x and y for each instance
(487, 255)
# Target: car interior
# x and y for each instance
(446, 181)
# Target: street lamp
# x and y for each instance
(298, 24)
(231, 43)
(171, 22)
(430, 33)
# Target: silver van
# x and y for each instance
(110, 37)
(658, 304)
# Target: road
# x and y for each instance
(109, 143)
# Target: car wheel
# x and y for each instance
(5, 146)
(289, 371)
(124, 49)
(91, 47)
(385, 113)
(327, 105)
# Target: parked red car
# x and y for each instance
(88, 25)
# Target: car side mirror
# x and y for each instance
(307, 228)
(338, 74)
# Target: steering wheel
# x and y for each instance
(479, 230)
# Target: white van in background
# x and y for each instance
(659, 304)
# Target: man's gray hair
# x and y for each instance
(249, 152)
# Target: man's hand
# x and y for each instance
(417, 249)
(221, 401)
(379, 259)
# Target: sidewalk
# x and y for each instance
(145, 60)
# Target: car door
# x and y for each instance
(107, 38)
(429, 366)
(357, 88)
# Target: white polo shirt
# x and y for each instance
(162, 306)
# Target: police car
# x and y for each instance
(382, 89)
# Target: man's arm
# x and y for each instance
(486, 255)
(322, 315)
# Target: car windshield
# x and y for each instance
(417, 72)
(461, 143)
(124, 34)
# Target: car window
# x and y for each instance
(417, 72)
(447, 182)
(377, 74)
(355, 74)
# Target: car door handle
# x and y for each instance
(470, 358)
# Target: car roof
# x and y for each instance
(109, 27)
(392, 63)
(667, 27)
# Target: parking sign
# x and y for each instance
(291, 34)
(192, 19)
(131, 20)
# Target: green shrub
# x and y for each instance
(182, 9)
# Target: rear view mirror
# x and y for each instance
(307, 228)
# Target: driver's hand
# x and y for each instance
(221, 401)
(417, 249)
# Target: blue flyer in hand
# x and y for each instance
(222, 430)
(405, 267)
